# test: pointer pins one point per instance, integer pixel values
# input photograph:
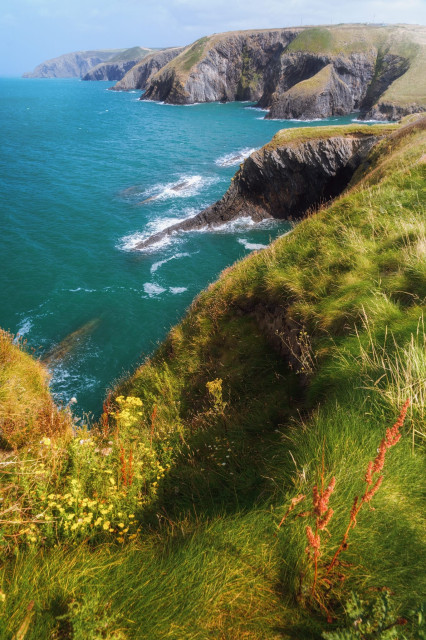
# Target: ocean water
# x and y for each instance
(76, 163)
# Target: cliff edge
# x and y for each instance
(303, 72)
(298, 170)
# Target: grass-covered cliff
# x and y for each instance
(164, 522)
(303, 72)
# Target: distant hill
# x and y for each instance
(303, 72)
(73, 65)
(117, 66)
(139, 75)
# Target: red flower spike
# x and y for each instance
(369, 494)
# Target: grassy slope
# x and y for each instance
(26, 406)
(290, 137)
(408, 41)
(209, 564)
(134, 53)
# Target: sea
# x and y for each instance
(77, 162)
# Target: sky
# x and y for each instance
(32, 31)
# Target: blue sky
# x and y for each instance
(32, 31)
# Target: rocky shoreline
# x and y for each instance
(298, 171)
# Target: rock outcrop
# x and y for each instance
(72, 65)
(312, 72)
(223, 67)
(323, 95)
(297, 171)
(139, 75)
(118, 66)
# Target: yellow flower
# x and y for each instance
(2, 596)
(120, 539)
(106, 524)
(121, 525)
(131, 515)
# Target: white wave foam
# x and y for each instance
(372, 121)
(184, 187)
(176, 290)
(235, 158)
(235, 225)
(152, 289)
(82, 289)
(25, 327)
(251, 246)
(256, 109)
(159, 264)
(169, 104)
(67, 383)
(131, 242)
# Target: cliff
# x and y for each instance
(139, 75)
(297, 171)
(186, 512)
(349, 68)
(72, 65)
(117, 66)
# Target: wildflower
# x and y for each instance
(2, 596)
(121, 525)
(322, 524)
(369, 494)
(45, 441)
(106, 525)
(313, 539)
(320, 500)
(392, 436)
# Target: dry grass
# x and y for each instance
(27, 411)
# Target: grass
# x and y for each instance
(27, 410)
(294, 136)
(134, 53)
(240, 434)
(190, 57)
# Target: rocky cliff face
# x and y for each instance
(118, 66)
(110, 70)
(302, 72)
(322, 95)
(392, 111)
(139, 75)
(71, 65)
(232, 66)
(297, 171)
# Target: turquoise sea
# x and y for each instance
(76, 160)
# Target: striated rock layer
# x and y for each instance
(117, 67)
(139, 75)
(298, 170)
(312, 72)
